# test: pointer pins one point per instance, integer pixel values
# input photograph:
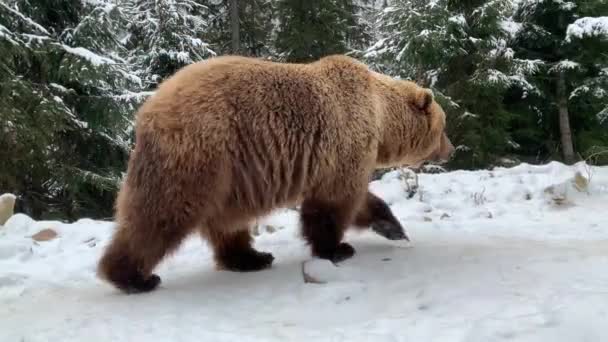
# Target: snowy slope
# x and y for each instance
(511, 254)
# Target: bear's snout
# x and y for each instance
(444, 152)
(447, 149)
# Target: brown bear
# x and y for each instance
(229, 139)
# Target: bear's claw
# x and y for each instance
(140, 285)
(390, 230)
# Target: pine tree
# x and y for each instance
(255, 27)
(233, 8)
(164, 36)
(459, 49)
(308, 30)
(590, 35)
(569, 54)
(65, 106)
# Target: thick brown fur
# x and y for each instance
(230, 139)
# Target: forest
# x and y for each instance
(520, 81)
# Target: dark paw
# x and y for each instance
(139, 284)
(247, 261)
(343, 251)
(337, 254)
(390, 230)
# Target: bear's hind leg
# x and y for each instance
(323, 226)
(135, 250)
(233, 251)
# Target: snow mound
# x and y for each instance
(588, 27)
(493, 257)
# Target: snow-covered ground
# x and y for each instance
(511, 254)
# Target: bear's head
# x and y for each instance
(412, 125)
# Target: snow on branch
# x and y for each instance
(526, 86)
(588, 27)
(492, 77)
(135, 96)
(566, 5)
(602, 116)
(458, 19)
(8, 35)
(510, 27)
(564, 65)
(589, 90)
(27, 20)
(526, 66)
(89, 55)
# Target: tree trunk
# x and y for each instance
(564, 120)
(234, 26)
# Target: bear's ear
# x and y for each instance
(423, 99)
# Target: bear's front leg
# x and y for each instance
(377, 215)
(323, 226)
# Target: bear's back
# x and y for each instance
(241, 85)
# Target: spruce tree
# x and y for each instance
(256, 27)
(568, 49)
(308, 30)
(164, 36)
(65, 108)
(459, 49)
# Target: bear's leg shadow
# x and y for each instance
(377, 215)
(233, 250)
(323, 226)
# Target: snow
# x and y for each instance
(136, 96)
(432, 3)
(458, 19)
(377, 49)
(59, 87)
(501, 49)
(87, 54)
(95, 2)
(7, 197)
(510, 254)
(510, 27)
(7, 34)
(566, 5)
(468, 114)
(197, 42)
(585, 90)
(524, 84)
(35, 38)
(495, 77)
(513, 144)
(588, 27)
(25, 19)
(564, 66)
(526, 66)
(602, 116)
